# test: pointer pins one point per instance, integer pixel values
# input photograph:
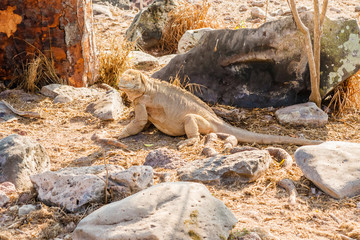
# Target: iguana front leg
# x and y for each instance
(194, 125)
(137, 124)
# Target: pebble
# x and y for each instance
(242, 8)
(357, 9)
(26, 209)
(335, 10)
(258, 3)
(257, 13)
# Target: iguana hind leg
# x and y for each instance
(194, 125)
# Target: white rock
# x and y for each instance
(74, 188)
(191, 38)
(165, 211)
(21, 157)
(304, 114)
(26, 209)
(143, 61)
(332, 166)
(108, 107)
(65, 93)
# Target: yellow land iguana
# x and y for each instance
(176, 112)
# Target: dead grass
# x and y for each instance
(114, 60)
(185, 17)
(185, 84)
(346, 96)
(35, 73)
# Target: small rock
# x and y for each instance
(357, 9)
(257, 13)
(63, 99)
(4, 199)
(358, 205)
(164, 158)
(244, 166)
(21, 157)
(304, 114)
(165, 211)
(335, 10)
(278, 12)
(143, 61)
(26, 209)
(14, 208)
(258, 3)
(332, 166)
(108, 107)
(243, 8)
(251, 236)
(8, 188)
(302, 9)
(130, 181)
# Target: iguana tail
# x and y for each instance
(251, 137)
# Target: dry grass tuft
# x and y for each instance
(114, 61)
(185, 17)
(185, 84)
(346, 96)
(35, 73)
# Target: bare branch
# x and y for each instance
(297, 19)
(323, 12)
(315, 93)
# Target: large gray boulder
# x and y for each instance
(21, 157)
(332, 166)
(165, 211)
(148, 24)
(244, 166)
(266, 66)
(76, 187)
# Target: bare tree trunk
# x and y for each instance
(312, 55)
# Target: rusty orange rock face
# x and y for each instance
(61, 29)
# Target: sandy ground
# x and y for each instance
(65, 130)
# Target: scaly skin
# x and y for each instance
(176, 112)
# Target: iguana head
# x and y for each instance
(132, 82)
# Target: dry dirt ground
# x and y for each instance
(65, 131)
